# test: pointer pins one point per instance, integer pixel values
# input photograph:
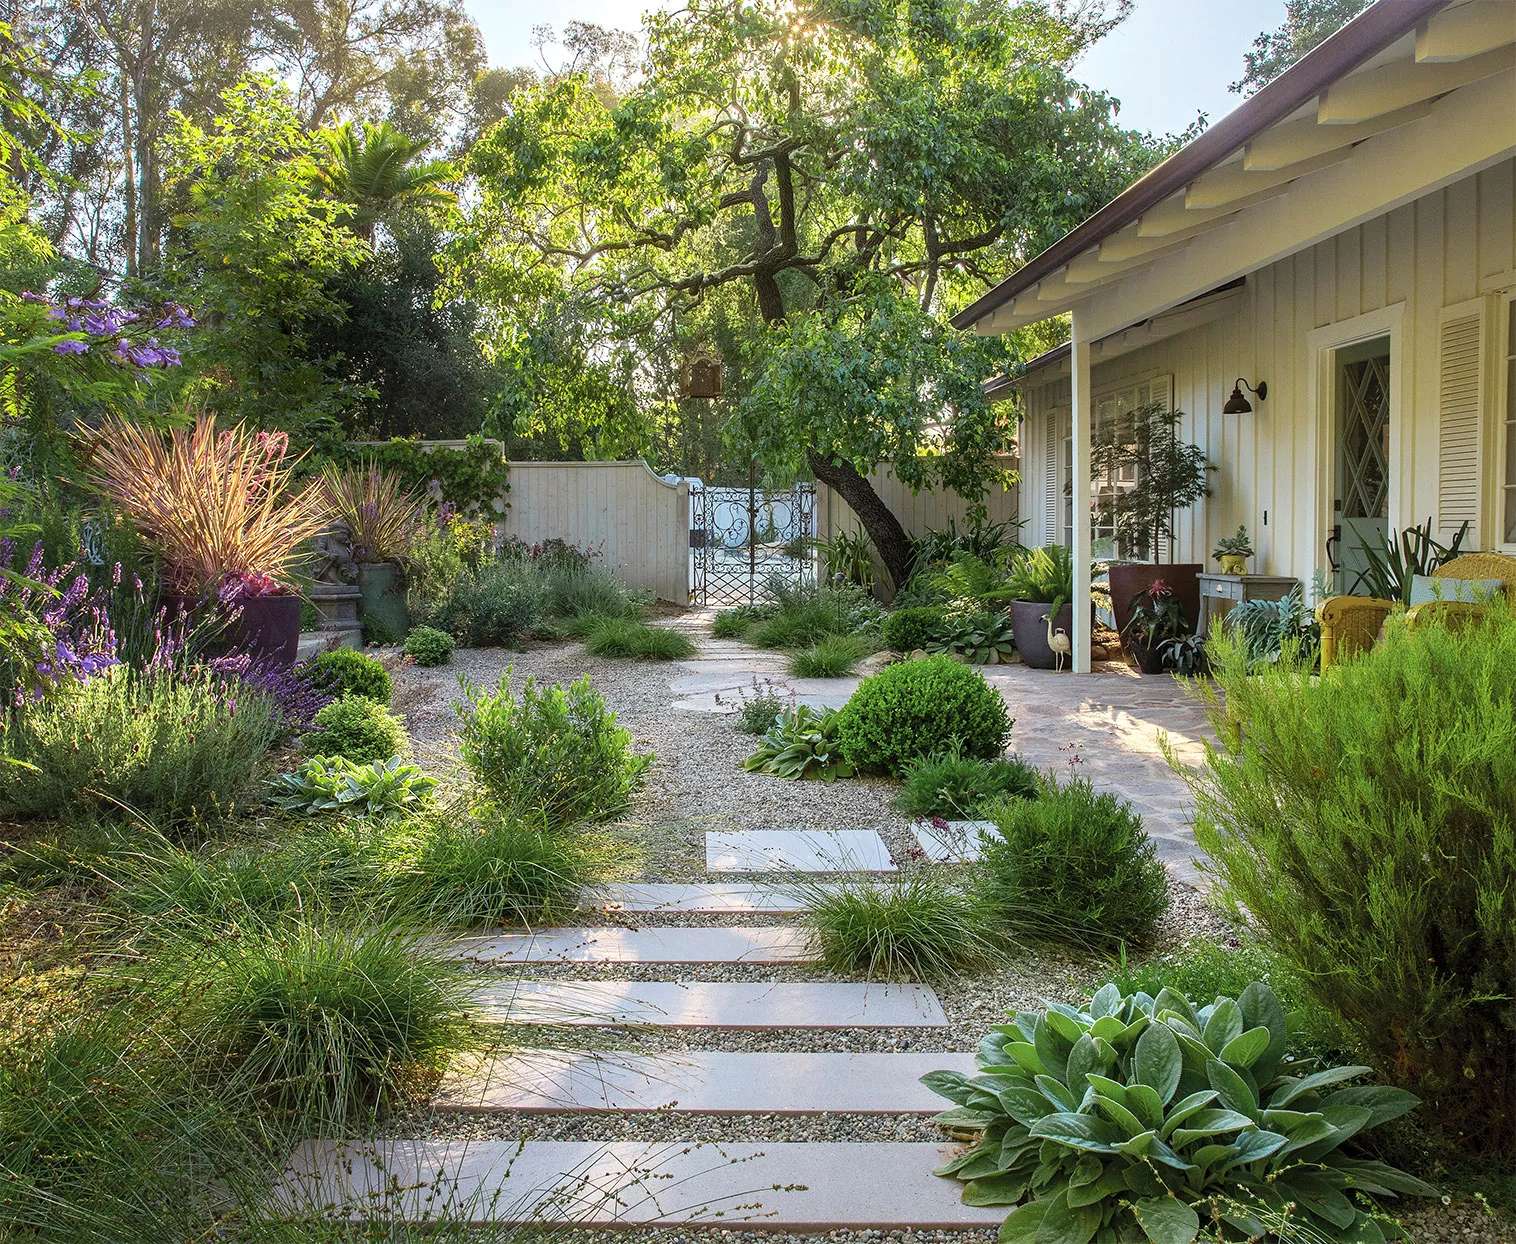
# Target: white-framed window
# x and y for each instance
(1505, 518)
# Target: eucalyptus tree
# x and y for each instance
(855, 167)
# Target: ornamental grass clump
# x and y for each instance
(1153, 1119)
(382, 515)
(218, 506)
(1073, 865)
(1365, 820)
(169, 746)
(554, 755)
(916, 928)
(837, 656)
(922, 708)
(622, 637)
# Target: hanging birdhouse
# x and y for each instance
(700, 376)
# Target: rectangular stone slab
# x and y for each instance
(957, 844)
(712, 1004)
(704, 1082)
(796, 850)
(819, 1186)
(782, 944)
(699, 899)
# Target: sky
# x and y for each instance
(1168, 61)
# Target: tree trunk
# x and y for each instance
(889, 537)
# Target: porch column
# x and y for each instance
(1079, 381)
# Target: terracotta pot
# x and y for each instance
(265, 627)
(1029, 623)
(383, 609)
(1133, 577)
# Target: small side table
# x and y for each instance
(1235, 588)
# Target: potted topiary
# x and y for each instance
(381, 516)
(1233, 552)
(220, 511)
(1169, 476)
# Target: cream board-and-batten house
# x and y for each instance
(1347, 236)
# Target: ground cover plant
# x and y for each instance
(922, 708)
(1073, 865)
(623, 637)
(958, 787)
(919, 927)
(802, 743)
(1365, 821)
(334, 784)
(357, 729)
(346, 671)
(1143, 1118)
(553, 753)
(179, 746)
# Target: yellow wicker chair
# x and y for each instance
(1351, 624)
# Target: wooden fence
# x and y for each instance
(916, 511)
(637, 523)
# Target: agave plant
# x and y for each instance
(801, 744)
(379, 511)
(1390, 568)
(216, 506)
(1149, 1119)
(336, 784)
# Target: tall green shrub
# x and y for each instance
(168, 745)
(549, 751)
(921, 708)
(1367, 820)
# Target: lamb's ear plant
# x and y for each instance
(1152, 1119)
(335, 784)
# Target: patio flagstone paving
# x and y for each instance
(705, 1082)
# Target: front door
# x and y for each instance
(1361, 498)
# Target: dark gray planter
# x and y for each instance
(1029, 622)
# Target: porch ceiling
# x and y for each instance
(1408, 96)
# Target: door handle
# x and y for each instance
(1334, 538)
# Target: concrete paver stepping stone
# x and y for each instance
(957, 844)
(796, 850)
(781, 944)
(712, 1004)
(796, 1186)
(697, 899)
(704, 1082)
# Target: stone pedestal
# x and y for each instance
(336, 606)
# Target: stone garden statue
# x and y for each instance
(333, 561)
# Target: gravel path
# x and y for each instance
(697, 784)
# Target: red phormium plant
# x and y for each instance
(217, 506)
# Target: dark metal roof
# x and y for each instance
(1364, 37)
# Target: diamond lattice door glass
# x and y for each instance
(1363, 456)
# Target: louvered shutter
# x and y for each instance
(1460, 404)
(1052, 494)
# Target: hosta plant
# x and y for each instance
(801, 744)
(1149, 1119)
(336, 784)
(981, 638)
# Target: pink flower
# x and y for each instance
(1159, 588)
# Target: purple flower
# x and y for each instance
(71, 347)
(28, 296)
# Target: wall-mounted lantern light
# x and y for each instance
(1239, 405)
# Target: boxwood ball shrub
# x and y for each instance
(906, 630)
(1366, 822)
(428, 646)
(357, 729)
(921, 708)
(1073, 866)
(1154, 1119)
(346, 671)
(552, 753)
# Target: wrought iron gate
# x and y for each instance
(741, 539)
